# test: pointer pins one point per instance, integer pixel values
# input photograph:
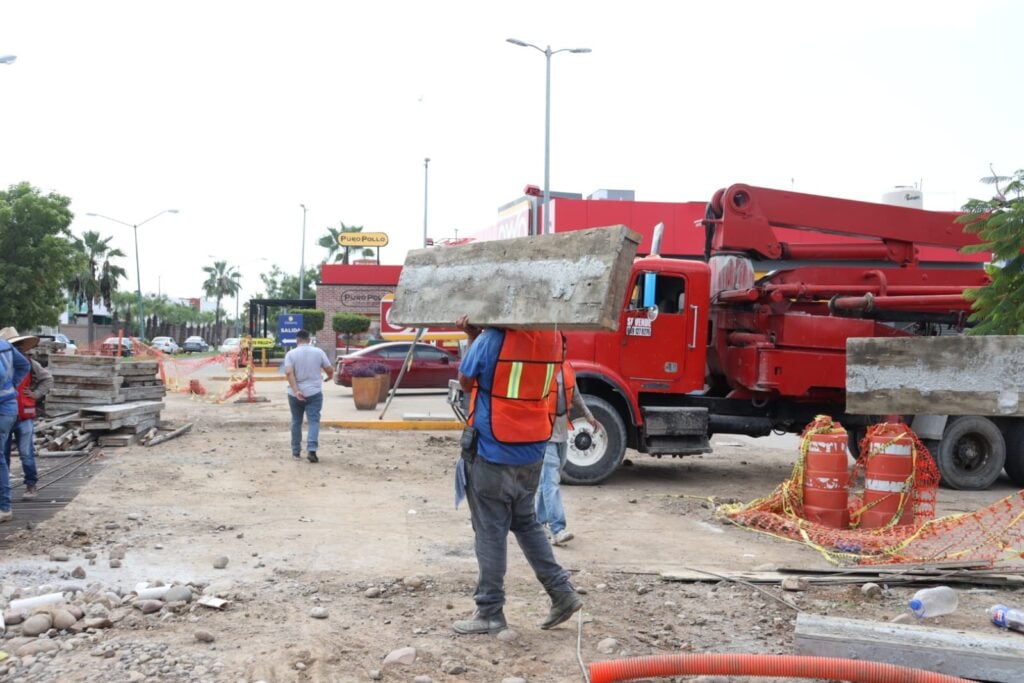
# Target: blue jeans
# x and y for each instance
(311, 409)
(501, 500)
(6, 425)
(550, 510)
(23, 432)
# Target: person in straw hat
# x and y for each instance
(14, 367)
(31, 390)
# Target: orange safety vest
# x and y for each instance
(26, 404)
(568, 386)
(524, 394)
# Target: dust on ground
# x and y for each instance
(370, 535)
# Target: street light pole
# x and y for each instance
(547, 52)
(138, 277)
(426, 168)
(302, 264)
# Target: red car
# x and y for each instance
(431, 367)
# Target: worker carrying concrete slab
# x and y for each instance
(510, 377)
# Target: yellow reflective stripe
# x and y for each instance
(515, 376)
(549, 377)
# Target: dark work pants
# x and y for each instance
(501, 499)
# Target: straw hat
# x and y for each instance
(23, 342)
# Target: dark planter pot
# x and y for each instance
(385, 386)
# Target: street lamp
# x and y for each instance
(547, 52)
(302, 264)
(138, 277)
(426, 168)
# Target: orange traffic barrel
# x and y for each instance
(888, 477)
(827, 479)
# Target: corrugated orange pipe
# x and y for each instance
(791, 666)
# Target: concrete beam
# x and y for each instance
(953, 375)
(984, 654)
(568, 281)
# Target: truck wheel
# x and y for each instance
(593, 456)
(1014, 436)
(971, 454)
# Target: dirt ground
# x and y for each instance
(375, 518)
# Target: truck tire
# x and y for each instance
(593, 457)
(1014, 465)
(971, 454)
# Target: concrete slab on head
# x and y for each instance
(569, 281)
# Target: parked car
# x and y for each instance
(165, 344)
(195, 345)
(230, 345)
(109, 347)
(432, 367)
(70, 348)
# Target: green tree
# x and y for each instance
(349, 324)
(95, 279)
(221, 280)
(999, 222)
(280, 285)
(335, 252)
(312, 319)
(36, 256)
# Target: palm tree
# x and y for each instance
(96, 279)
(335, 252)
(221, 281)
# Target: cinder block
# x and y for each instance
(569, 281)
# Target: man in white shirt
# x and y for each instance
(302, 366)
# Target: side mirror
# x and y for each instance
(445, 359)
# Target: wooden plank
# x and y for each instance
(170, 435)
(119, 411)
(95, 372)
(118, 440)
(950, 375)
(142, 393)
(112, 382)
(75, 392)
(70, 361)
(978, 655)
(570, 281)
(78, 402)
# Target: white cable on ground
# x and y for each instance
(579, 647)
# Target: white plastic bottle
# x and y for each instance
(933, 602)
(1005, 617)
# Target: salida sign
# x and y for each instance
(288, 325)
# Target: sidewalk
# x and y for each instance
(418, 409)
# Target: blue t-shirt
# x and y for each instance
(13, 368)
(479, 363)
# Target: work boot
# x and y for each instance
(30, 493)
(296, 456)
(563, 605)
(312, 457)
(479, 624)
(6, 516)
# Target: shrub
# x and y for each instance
(363, 370)
(349, 324)
(380, 368)
(312, 319)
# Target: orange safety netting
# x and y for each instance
(987, 535)
(209, 378)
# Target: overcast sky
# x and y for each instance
(236, 112)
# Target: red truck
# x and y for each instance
(752, 339)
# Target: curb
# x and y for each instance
(411, 425)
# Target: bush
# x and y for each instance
(349, 324)
(364, 370)
(312, 319)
